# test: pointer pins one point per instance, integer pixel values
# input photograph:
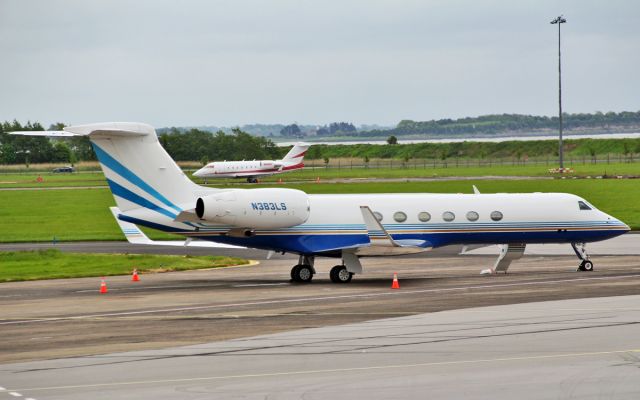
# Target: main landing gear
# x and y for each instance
(339, 274)
(581, 251)
(304, 271)
(252, 180)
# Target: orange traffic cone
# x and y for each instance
(135, 277)
(280, 180)
(395, 284)
(103, 286)
(318, 180)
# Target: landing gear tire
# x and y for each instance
(301, 273)
(252, 180)
(339, 274)
(586, 266)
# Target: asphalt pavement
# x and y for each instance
(582, 348)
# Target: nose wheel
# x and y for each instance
(581, 251)
(586, 266)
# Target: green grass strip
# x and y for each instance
(54, 264)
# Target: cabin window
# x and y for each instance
(377, 215)
(448, 216)
(583, 205)
(472, 216)
(424, 216)
(496, 215)
(399, 216)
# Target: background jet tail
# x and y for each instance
(296, 154)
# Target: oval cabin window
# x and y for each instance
(472, 216)
(496, 215)
(377, 215)
(400, 216)
(424, 216)
(448, 216)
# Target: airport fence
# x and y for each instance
(424, 163)
(385, 163)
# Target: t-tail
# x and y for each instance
(295, 156)
(140, 173)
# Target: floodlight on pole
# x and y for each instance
(559, 21)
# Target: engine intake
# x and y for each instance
(255, 208)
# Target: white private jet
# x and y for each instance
(151, 190)
(253, 169)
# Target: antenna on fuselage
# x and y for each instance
(475, 190)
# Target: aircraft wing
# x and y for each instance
(135, 236)
(381, 242)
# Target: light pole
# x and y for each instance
(560, 20)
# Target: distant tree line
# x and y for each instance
(333, 129)
(204, 146)
(505, 123)
(337, 129)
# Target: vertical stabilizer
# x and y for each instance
(139, 171)
(296, 154)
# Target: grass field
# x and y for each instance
(429, 172)
(27, 180)
(83, 214)
(53, 264)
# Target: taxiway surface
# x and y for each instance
(68, 317)
(583, 348)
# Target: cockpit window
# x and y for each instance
(583, 205)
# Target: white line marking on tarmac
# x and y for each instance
(147, 287)
(15, 394)
(262, 284)
(316, 298)
(335, 370)
(2, 389)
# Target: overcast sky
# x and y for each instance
(181, 63)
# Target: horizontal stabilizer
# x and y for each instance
(101, 129)
(135, 236)
(43, 133)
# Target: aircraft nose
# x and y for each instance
(199, 173)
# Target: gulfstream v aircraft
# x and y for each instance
(253, 169)
(150, 190)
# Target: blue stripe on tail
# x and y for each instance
(127, 174)
(126, 194)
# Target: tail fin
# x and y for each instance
(139, 171)
(296, 154)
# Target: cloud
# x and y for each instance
(236, 62)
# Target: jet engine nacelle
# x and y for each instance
(255, 208)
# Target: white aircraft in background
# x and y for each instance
(253, 169)
(151, 190)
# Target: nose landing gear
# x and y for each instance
(581, 251)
